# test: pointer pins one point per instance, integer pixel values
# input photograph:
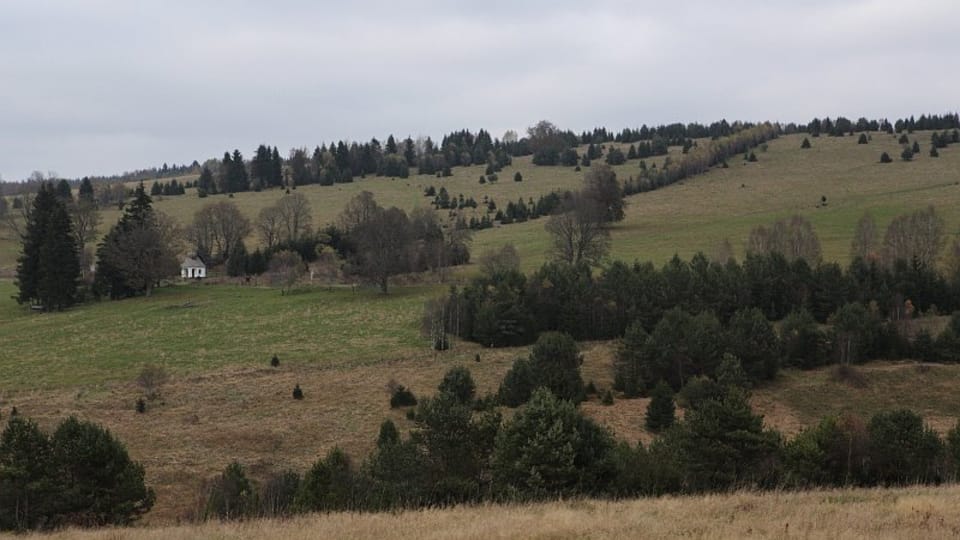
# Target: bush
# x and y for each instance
(275, 361)
(607, 398)
(517, 177)
(907, 154)
(885, 158)
(862, 139)
(459, 383)
(805, 144)
(151, 379)
(401, 397)
(661, 412)
(297, 392)
(389, 434)
(141, 406)
(441, 343)
(752, 158)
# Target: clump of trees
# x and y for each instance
(80, 475)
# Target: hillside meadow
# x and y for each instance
(693, 215)
(919, 513)
(343, 344)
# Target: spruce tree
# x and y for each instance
(805, 144)
(49, 265)
(661, 410)
(86, 190)
(862, 139)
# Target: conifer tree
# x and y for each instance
(805, 144)
(661, 410)
(49, 265)
(85, 192)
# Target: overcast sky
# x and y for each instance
(100, 87)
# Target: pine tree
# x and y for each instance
(63, 191)
(805, 144)
(862, 139)
(885, 158)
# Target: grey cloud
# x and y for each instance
(102, 86)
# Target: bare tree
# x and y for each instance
(866, 239)
(578, 233)
(383, 246)
(723, 253)
(793, 238)
(296, 218)
(217, 228)
(358, 211)
(286, 267)
(917, 236)
(505, 259)
(269, 227)
(601, 187)
(86, 219)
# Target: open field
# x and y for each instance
(922, 513)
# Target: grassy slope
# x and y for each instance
(343, 346)
(907, 514)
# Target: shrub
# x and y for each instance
(441, 343)
(297, 392)
(916, 147)
(591, 389)
(275, 361)
(903, 139)
(151, 379)
(401, 397)
(862, 139)
(934, 152)
(517, 177)
(805, 144)
(141, 405)
(607, 398)
(459, 383)
(907, 154)
(660, 411)
(752, 158)
(885, 158)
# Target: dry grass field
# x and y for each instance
(208, 416)
(923, 513)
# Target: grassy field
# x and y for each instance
(905, 514)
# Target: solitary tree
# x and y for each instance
(139, 251)
(578, 233)
(49, 264)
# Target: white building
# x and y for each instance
(193, 268)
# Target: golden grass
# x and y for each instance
(906, 514)
(207, 419)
